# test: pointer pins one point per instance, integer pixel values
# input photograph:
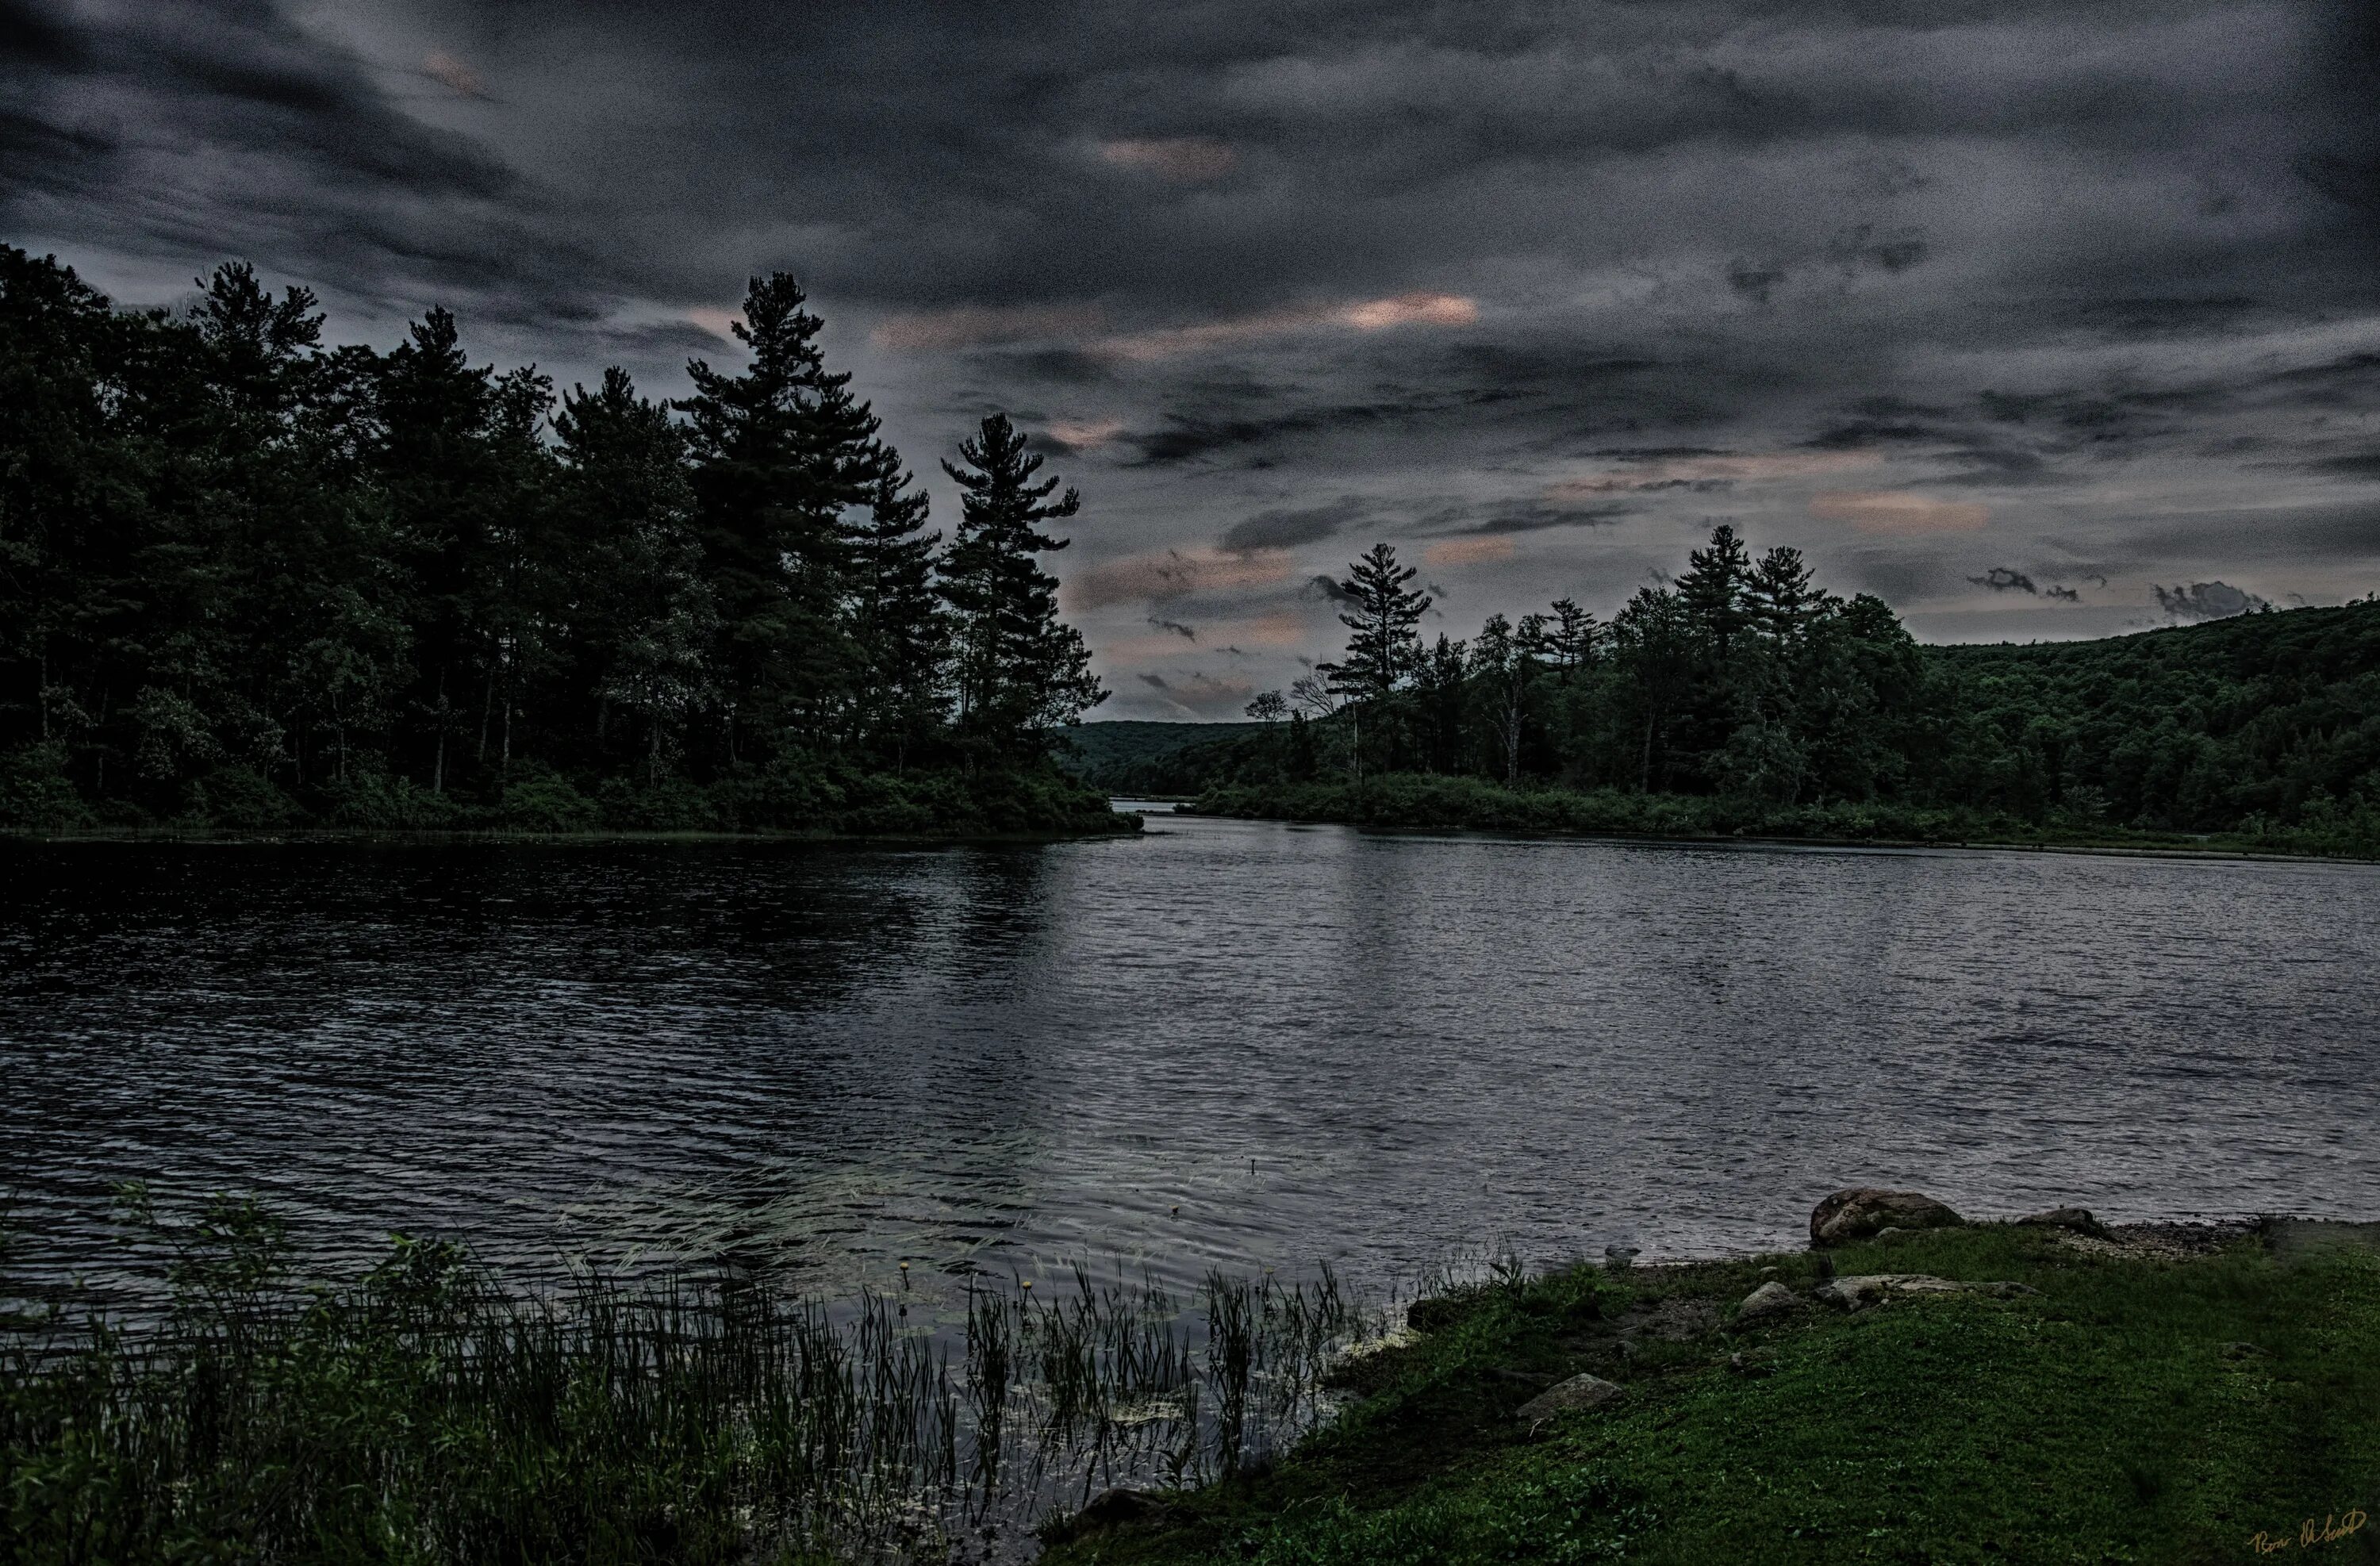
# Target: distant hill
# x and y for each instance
(1125, 756)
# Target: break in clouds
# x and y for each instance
(2039, 321)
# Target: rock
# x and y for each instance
(1437, 1315)
(1858, 1292)
(2078, 1219)
(1110, 1509)
(1859, 1212)
(1768, 1300)
(1619, 1258)
(1579, 1391)
(1769, 1272)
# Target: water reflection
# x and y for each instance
(1311, 1043)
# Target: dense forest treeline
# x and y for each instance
(1744, 697)
(249, 580)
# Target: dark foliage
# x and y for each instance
(249, 581)
(1750, 699)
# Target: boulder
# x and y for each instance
(1859, 1212)
(1770, 1299)
(2076, 1219)
(1579, 1391)
(1445, 1311)
(1111, 1508)
(1858, 1292)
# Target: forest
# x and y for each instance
(249, 579)
(1741, 695)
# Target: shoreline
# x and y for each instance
(2213, 850)
(2196, 1389)
(425, 837)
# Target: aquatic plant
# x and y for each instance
(424, 1412)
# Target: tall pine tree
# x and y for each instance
(1022, 672)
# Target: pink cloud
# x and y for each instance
(454, 74)
(1468, 552)
(1898, 512)
(1174, 574)
(1189, 159)
(720, 323)
(1361, 315)
(1085, 434)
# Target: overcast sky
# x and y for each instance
(2015, 314)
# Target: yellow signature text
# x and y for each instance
(2330, 1529)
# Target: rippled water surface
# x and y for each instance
(1244, 1043)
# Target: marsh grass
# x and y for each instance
(423, 1412)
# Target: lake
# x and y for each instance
(1225, 1043)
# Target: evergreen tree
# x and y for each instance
(1712, 592)
(1022, 672)
(1779, 597)
(901, 620)
(1383, 647)
(780, 451)
(641, 620)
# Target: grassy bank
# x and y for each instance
(536, 801)
(1416, 801)
(2152, 1402)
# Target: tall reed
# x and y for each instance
(422, 1412)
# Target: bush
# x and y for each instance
(241, 796)
(377, 802)
(538, 798)
(36, 792)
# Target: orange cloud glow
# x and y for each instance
(1175, 574)
(1898, 512)
(720, 323)
(1085, 434)
(1468, 552)
(1190, 158)
(454, 74)
(1362, 315)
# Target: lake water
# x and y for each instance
(1224, 1043)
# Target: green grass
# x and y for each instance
(2135, 1410)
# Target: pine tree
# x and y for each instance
(1778, 596)
(781, 453)
(900, 618)
(1384, 650)
(1712, 590)
(641, 619)
(1022, 672)
(1570, 639)
(1382, 653)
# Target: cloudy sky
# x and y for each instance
(2041, 321)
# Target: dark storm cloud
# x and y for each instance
(1290, 278)
(2003, 578)
(1288, 527)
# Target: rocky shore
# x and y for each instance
(1914, 1386)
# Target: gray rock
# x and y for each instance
(1861, 1291)
(2077, 1220)
(1113, 1508)
(1770, 1299)
(1579, 1391)
(1859, 1212)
